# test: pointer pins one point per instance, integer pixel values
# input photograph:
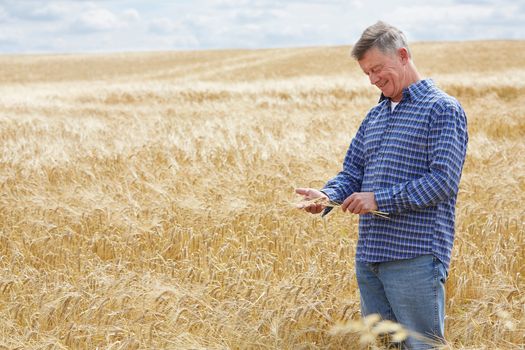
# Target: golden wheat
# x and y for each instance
(145, 199)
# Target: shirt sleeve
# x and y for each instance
(448, 138)
(350, 178)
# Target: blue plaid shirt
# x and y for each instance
(411, 159)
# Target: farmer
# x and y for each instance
(401, 175)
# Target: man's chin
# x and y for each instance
(382, 89)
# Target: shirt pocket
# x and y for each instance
(409, 148)
(412, 142)
(410, 133)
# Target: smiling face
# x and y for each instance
(387, 71)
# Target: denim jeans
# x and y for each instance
(410, 292)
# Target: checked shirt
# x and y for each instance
(411, 159)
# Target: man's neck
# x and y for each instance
(411, 78)
(413, 75)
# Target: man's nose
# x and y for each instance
(373, 78)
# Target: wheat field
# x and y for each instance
(147, 198)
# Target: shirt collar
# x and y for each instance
(414, 91)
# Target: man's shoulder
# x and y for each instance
(439, 100)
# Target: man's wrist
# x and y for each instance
(328, 193)
(383, 199)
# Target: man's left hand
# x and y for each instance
(360, 203)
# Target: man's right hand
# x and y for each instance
(309, 194)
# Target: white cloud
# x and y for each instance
(357, 4)
(163, 26)
(36, 11)
(184, 42)
(48, 12)
(236, 4)
(437, 15)
(29, 25)
(461, 20)
(96, 19)
(229, 3)
(3, 14)
(249, 15)
(131, 15)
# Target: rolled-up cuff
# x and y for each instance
(385, 201)
(332, 194)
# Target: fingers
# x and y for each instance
(302, 191)
(359, 203)
(353, 204)
(314, 208)
(347, 202)
(309, 193)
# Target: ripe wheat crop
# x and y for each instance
(145, 199)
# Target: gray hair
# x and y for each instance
(382, 36)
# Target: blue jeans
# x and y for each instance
(410, 292)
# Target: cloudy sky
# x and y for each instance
(28, 26)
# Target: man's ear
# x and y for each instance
(403, 55)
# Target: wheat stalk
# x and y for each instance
(329, 203)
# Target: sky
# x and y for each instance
(28, 26)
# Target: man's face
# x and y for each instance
(386, 71)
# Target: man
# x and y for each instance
(401, 175)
